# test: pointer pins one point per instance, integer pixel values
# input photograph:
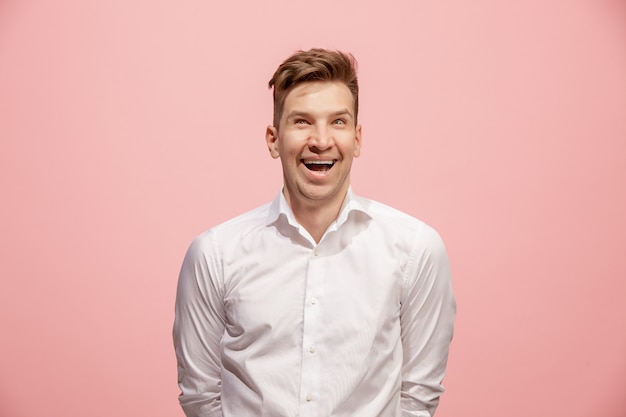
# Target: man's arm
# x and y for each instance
(198, 329)
(426, 320)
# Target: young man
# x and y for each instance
(321, 303)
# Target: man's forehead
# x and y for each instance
(312, 87)
(334, 95)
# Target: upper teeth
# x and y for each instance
(319, 162)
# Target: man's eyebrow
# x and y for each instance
(298, 113)
(344, 112)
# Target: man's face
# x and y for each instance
(316, 142)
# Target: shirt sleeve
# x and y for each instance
(426, 318)
(198, 329)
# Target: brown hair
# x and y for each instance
(313, 65)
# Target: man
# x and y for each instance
(321, 303)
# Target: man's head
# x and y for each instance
(309, 66)
(315, 133)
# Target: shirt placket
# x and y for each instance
(311, 360)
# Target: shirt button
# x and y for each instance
(313, 300)
(315, 252)
(312, 349)
(309, 397)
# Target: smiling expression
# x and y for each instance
(316, 141)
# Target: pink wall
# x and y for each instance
(128, 127)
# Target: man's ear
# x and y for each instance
(358, 138)
(271, 137)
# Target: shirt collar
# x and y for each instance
(280, 208)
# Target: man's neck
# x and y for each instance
(315, 216)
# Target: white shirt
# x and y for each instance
(269, 323)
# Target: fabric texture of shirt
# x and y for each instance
(269, 323)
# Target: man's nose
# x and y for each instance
(321, 138)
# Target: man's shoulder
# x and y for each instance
(398, 223)
(388, 214)
(238, 225)
(229, 233)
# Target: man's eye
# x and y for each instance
(340, 122)
(300, 121)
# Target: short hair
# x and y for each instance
(313, 65)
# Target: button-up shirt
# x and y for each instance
(271, 323)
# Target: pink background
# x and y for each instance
(128, 127)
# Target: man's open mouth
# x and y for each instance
(315, 165)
